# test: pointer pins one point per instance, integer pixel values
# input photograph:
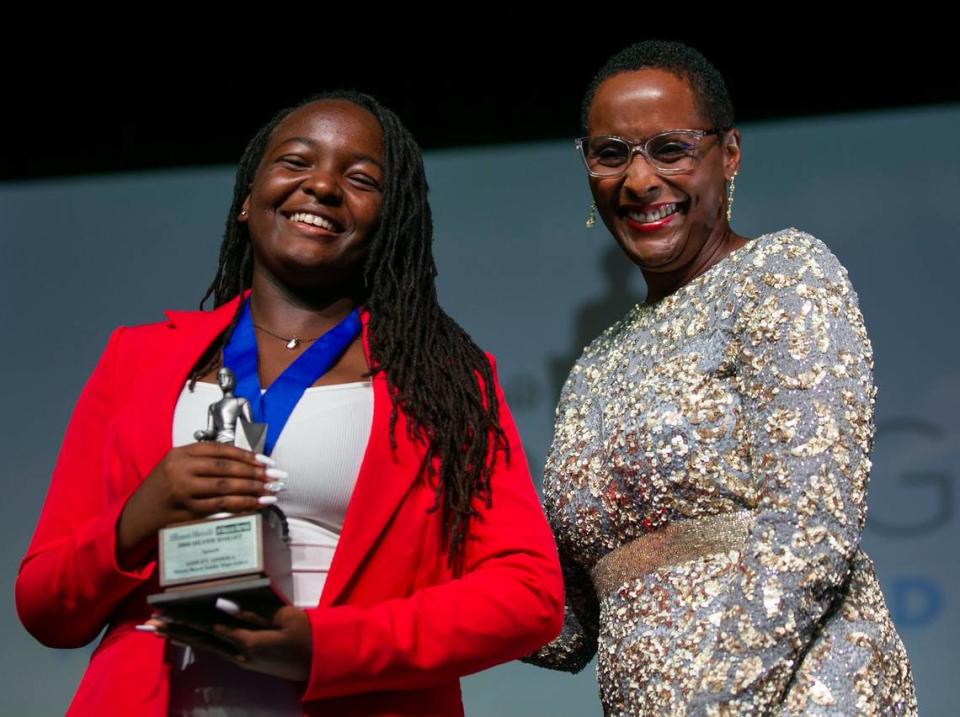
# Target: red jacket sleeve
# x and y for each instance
(507, 603)
(69, 581)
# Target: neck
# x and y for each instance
(719, 244)
(291, 311)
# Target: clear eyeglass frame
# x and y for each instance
(695, 136)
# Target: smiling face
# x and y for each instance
(315, 200)
(662, 222)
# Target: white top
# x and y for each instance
(321, 447)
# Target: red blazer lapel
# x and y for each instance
(167, 366)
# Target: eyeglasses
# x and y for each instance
(671, 152)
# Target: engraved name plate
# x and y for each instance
(210, 549)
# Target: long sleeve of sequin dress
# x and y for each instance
(803, 618)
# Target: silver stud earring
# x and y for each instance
(592, 216)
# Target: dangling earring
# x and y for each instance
(730, 189)
(592, 216)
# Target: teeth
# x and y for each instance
(314, 220)
(658, 213)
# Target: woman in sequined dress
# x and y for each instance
(707, 479)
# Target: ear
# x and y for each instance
(244, 210)
(731, 154)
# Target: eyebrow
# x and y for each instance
(312, 143)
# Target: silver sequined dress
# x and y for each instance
(749, 388)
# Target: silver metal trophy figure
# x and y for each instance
(244, 555)
(224, 415)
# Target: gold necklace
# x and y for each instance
(292, 342)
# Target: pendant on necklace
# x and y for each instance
(293, 343)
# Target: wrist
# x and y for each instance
(136, 540)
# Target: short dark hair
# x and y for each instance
(709, 89)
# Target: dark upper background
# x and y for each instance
(107, 105)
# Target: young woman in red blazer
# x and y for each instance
(444, 564)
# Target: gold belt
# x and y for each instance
(671, 545)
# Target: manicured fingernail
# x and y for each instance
(275, 486)
(266, 460)
(267, 499)
(145, 628)
(228, 606)
(277, 473)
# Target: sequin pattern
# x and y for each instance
(749, 388)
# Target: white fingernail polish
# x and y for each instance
(266, 460)
(228, 606)
(145, 628)
(267, 499)
(275, 486)
(277, 473)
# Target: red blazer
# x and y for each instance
(393, 631)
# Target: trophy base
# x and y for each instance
(248, 590)
(245, 555)
(254, 594)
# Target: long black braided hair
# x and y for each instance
(431, 364)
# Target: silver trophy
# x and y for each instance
(244, 556)
(230, 420)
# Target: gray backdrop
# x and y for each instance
(523, 275)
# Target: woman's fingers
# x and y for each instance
(223, 467)
(208, 449)
(206, 478)
(279, 646)
(202, 631)
(247, 616)
(230, 503)
(216, 487)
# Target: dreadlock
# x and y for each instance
(431, 364)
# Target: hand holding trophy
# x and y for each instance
(243, 556)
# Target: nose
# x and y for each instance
(323, 184)
(641, 180)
